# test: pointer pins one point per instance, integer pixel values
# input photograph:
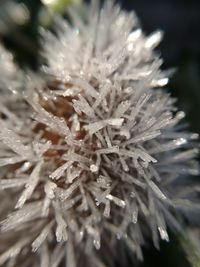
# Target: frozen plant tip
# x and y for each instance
(93, 156)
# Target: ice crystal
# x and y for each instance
(191, 244)
(11, 77)
(93, 156)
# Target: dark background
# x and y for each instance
(180, 48)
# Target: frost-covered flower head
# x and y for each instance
(94, 157)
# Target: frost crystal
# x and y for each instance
(95, 152)
(10, 78)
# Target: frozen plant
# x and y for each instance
(93, 156)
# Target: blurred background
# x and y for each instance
(20, 21)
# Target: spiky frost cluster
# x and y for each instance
(93, 153)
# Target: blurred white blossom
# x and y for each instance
(11, 15)
(92, 155)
